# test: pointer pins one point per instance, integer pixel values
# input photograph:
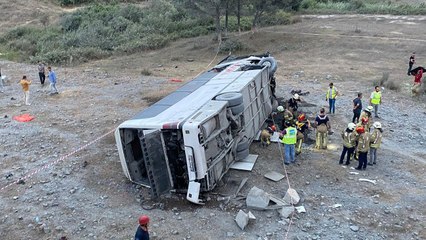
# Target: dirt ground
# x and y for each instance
(86, 195)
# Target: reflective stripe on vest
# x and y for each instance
(290, 136)
(376, 98)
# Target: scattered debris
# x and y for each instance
(251, 216)
(278, 201)
(257, 199)
(367, 180)
(243, 182)
(242, 219)
(354, 173)
(175, 79)
(337, 205)
(354, 228)
(274, 176)
(300, 209)
(291, 196)
(246, 164)
(286, 211)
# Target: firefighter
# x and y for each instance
(375, 141)
(302, 126)
(292, 104)
(363, 147)
(266, 134)
(286, 116)
(322, 124)
(366, 114)
(349, 138)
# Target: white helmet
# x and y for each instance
(280, 109)
(377, 125)
(369, 109)
(296, 96)
(351, 126)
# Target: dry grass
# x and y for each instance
(155, 95)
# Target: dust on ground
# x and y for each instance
(86, 196)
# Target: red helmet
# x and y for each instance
(143, 220)
(364, 120)
(360, 130)
(301, 117)
(273, 128)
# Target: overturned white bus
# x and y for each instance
(188, 140)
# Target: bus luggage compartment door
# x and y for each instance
(156, 162)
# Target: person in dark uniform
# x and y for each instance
(411, 63)
(357, 108)
(142, 231)
(292, 104)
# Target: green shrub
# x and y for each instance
(72, 2)
(146, 72)
(308, 4)
(279, 18)
(230, 45)
(245, 23)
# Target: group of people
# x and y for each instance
(25, 82)
(293, 128)
(358, 141)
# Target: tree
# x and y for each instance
(261, 7)
(212, 8)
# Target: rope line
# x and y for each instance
(281, 151)
(52, 163)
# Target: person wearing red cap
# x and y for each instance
(363, 147)
(142, 231)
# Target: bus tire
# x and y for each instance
(233, 98)
(271, 62)
(242, 154)
(237, 109)
(243, 145)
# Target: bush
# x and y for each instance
(279, 18)
(308, 4)
(230, 45)
(146, 72)
(245, 23)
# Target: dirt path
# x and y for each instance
(86, 196)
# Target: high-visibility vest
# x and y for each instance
(376, 97)
(290, 136)
(333, 93)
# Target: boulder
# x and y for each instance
(291, 196)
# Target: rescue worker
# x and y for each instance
(366, 114)
(266, 134)
(292, 104)
(302, 126)
(375, 141)
(278, 117)
(322, 124)
(286, 116)
(331, 98)
(289, 138)
(349, 138)
(362, 147)
(376, 100)
(142, 231)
